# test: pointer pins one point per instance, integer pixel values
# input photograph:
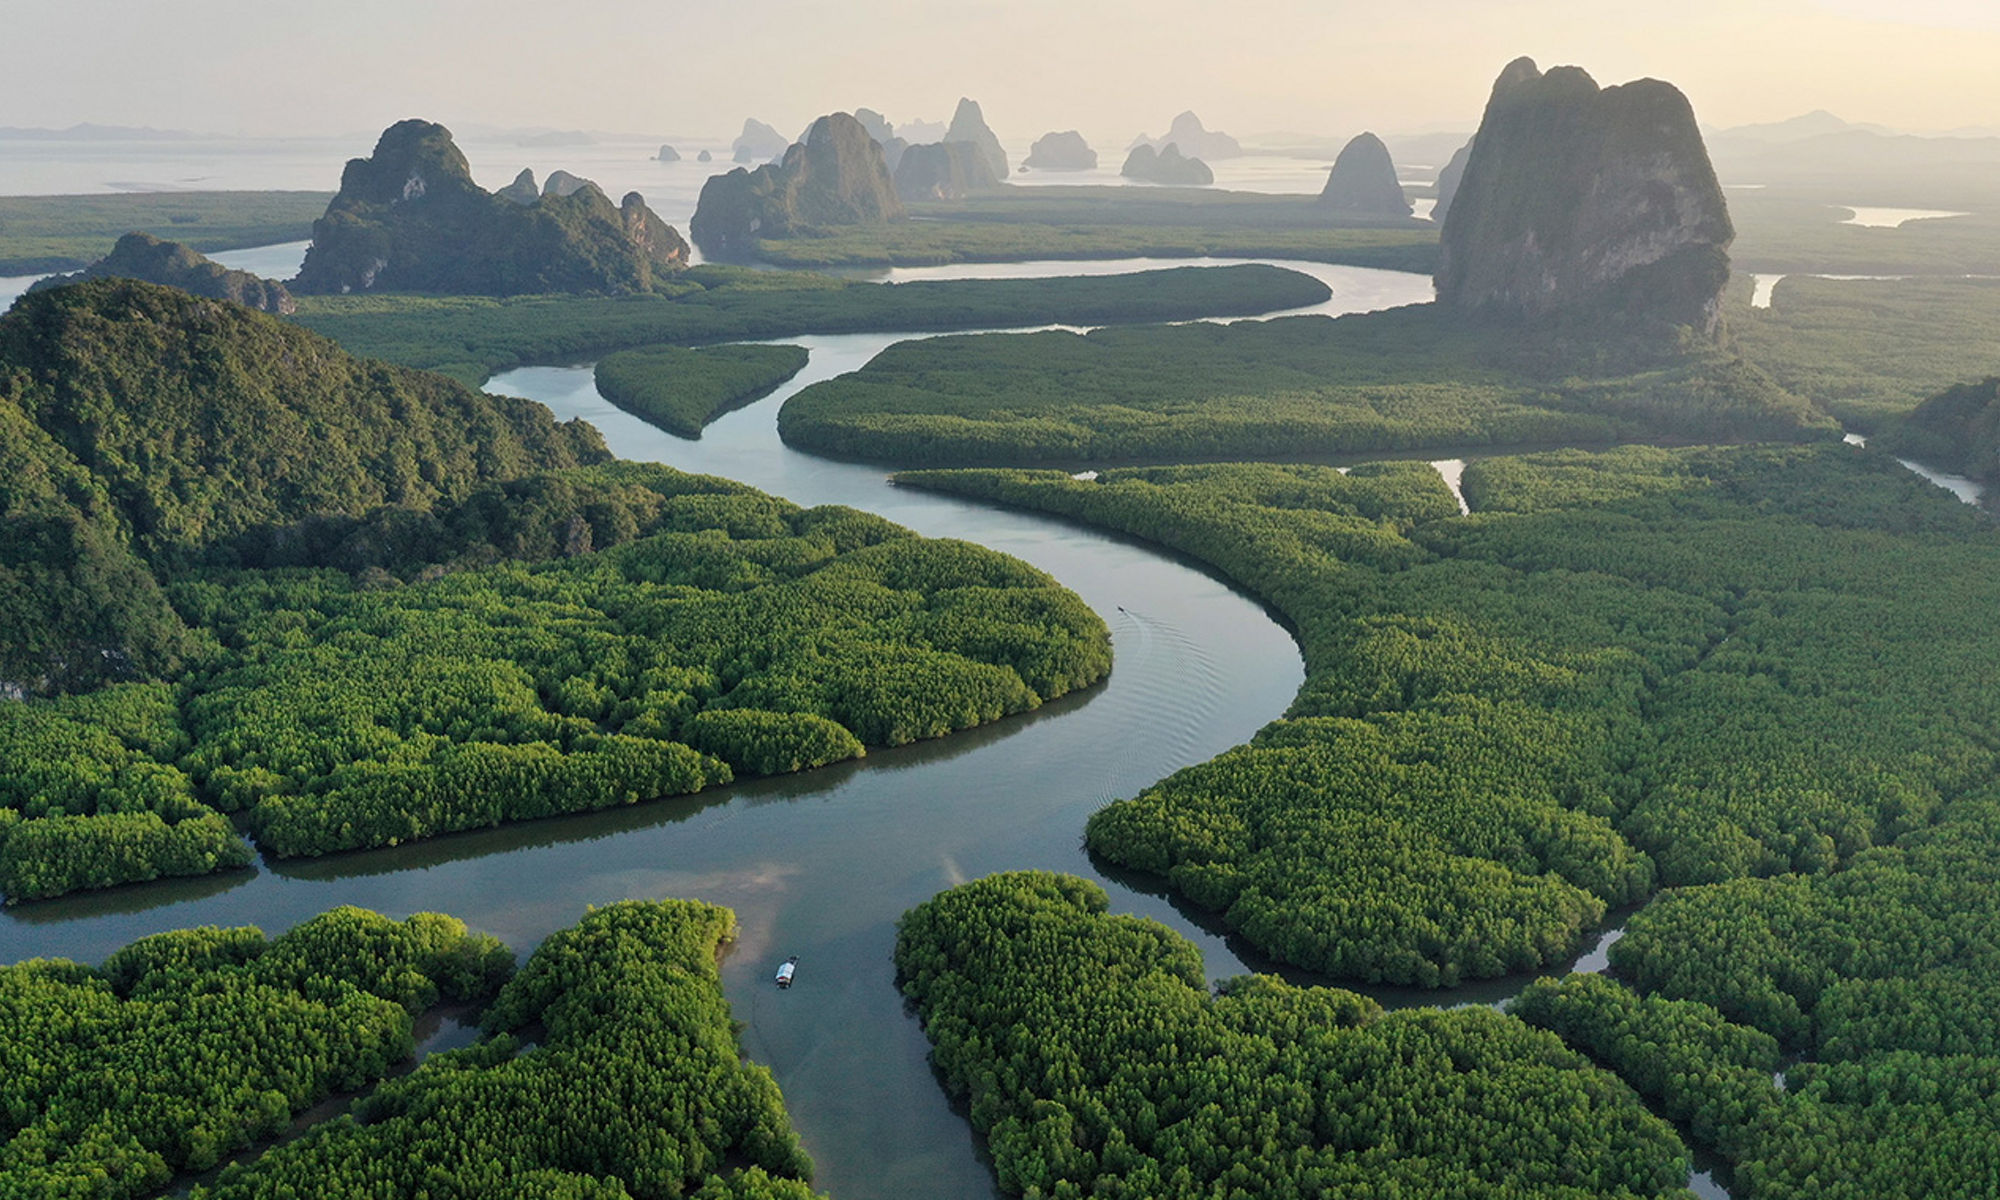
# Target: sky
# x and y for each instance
(1112, 68)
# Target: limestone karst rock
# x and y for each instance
(1587, 203)
(562, 183)
(704, 156)
(943, 171)
(410, 218)
(837, 176)
(875, 123)
(1195, 141)
(1065, 151)
(1363, 181)
(667, 154)
(524, 190)
(1166, 166)
(1448, 181)
(757, 143)
(968, 124)
(146, 258)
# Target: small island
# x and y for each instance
(1166, 166)
(1066, 151)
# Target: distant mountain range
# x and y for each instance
(96, 133)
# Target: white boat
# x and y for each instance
(785, 970)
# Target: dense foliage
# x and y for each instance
(140, 425)
(176, 264)
(639, 633)
(1956, 430)
(67, 233)
(187, 1046)
(635, 1088)
(682, 390)
(1870, 350)
(1399, 379)
(1760, 675)
(472, 338)
(387, 619)
(1096, 1063)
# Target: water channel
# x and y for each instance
(821, 864)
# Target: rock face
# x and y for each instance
(1448, 181)
(943, 171)
(876, 124)
(410, 218)
(1166, 166)
(1197, 142)
(968, 124)
(1588, 203)
(562, 183)
(1363, 181)
(523, 190)
(667, 154)
(837, 176)
(704, 156)
(146, 258)
(757, 143)
(921, 133)
(1061, 152)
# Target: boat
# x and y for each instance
(785, 970)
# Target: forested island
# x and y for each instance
(1398, 380)
(1716, 671)
(681, 390)
(439, 620)
(186, 1047)
(471, 338)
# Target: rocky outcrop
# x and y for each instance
(892, 153)
(523, 191)
(943, 171)
(1447, 183)
(1195, 141)
(704, 156)
(757, 143)
(1363, 181)
(1166, 166)
(1061, 152)
(837, 176)
(410, 218)
(667, 154)
(876, 124)
(968, 124)
(1587, 203)
(921, 133)
(562, 183)
(146, 258)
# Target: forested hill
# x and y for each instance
(140, 425)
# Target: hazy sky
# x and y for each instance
(1110, 67)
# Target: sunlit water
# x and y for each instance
(1895, 218)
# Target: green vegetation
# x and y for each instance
(930, 244)
(1400, 379)
(187, 1046)
(40, 234)
(1958, 430)
(636, 1087)
(682, 390)
(472, 338)
(1096, 1063)
(1872, 350)
(140, 426)
(391, 607)
(1754, 675)
(1795, 230)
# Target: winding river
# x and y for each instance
(822, 864)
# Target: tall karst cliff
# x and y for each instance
(410, 218)
(836, 176)
(1587, 203)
